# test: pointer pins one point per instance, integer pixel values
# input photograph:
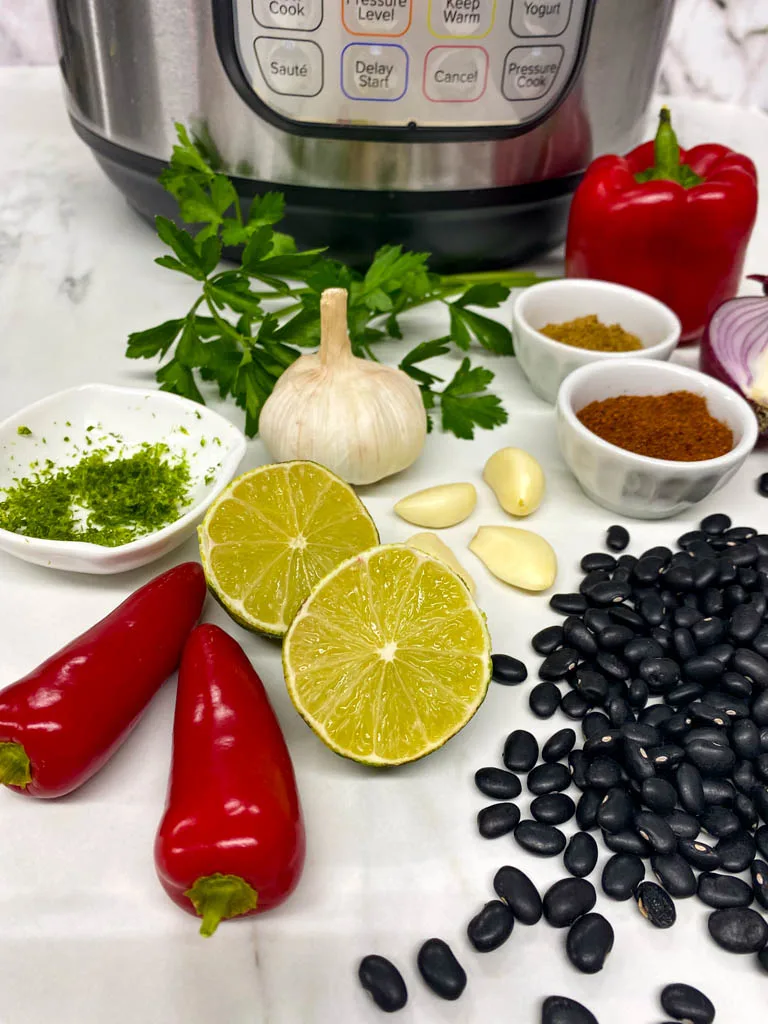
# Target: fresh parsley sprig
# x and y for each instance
(250, 321)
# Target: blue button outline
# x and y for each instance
(376, 99)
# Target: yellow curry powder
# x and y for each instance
(590, 332)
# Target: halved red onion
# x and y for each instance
(735, 349)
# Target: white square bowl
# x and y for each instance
(103, 413)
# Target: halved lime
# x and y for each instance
(273, 534)
(389, 657)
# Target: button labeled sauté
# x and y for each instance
(291, 67)
(302, 15)
(377, 17)
(455, 74)
(377, 72)
(461, 19)
(538, 18)
(529, 71)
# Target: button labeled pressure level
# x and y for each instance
(300, 15)
(461, 19)
(529, 71)
(377, 17)
(376, 72)
(455, 74)
(536, 18)
(291, 67)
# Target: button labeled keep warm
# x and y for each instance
(455, 74)
(377, 17)
(377, 72)
(300, 15)
(530, 71)
(537, 18)
(291, 67)
(461, 19)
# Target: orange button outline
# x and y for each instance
(377, 35)
(444, 47)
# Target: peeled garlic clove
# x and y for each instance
(516, 479)
(438, 507)
(518, 557)
(431, 544)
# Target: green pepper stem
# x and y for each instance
(15, 769)
(666, 156)
(218, 897)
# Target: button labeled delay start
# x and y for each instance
(529, 71)
(377, 72)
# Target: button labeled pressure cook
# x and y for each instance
(377, 72)
(302, 15)
(529, 71)
(455, 74)
(291, 67)
(534, 18)
(461, 19)
(377, 17)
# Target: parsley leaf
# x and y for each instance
(465, 403)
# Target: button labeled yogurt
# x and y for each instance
(530, 71)
(377, 17)
(302, 15)
(539, 17)
(461, 19)
(291, 67)
(377, 72)
(455, 74)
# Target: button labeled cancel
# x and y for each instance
(291, 67)
(461, 19)
(377, 17)
(377, 72)
(535, 18)
(455, 74)
(300, 15)
(529, 71)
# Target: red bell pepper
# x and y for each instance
(63, 721)
(672, 223)
(231, 842)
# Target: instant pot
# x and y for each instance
(457, 127)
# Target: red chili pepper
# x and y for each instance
(672, 223)
(231, 842)
(63, 721)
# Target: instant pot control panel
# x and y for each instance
(389, 66)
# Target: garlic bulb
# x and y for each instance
(360, 419)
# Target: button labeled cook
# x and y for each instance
(377, 17)
(302, 15)
(461, 19)
(291, 67)
(378, 72)
(534, 18)
(529, 71)
(455, 74)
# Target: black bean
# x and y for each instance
(621, 875)
(686, 617)
(521, 751)
(699, 854)
(637, 761)
(616, 811)
(659, 795)
(548, 778)
(667, 756)
(614, 637)
(720, 891)
(675, 874)
(597, 619)
(594, 723)
(568, 604)
(711, 601)
(761, 840)
(559, 664)
(609, 592)
(760, 709)
(762, 959)
(577, 766)
(637, 694)
(497, 820)
(540, 839)
(603, 773)
(589, 942)
(625, 616)
(677, 727)
(720, 821)
(638, 732)
(655, 904)
(591, 580)
(745, 738)
(547, 639)
(760, 541)
(764, 740)
(648, 568)
(441, 970)
(748, 577)
(702, 669)
(568, 900)
(597, 560)
(559, 745)
(683, 1002)
(593, 686)
(736, 852)
(661, 674)
(733, 707)
(715, 524)
(745, 623)
(678, 578)
(718, 791)
(491, 927)
(612, 666)
(663, 637)
(762, 484)
(710, 757)
(761, 767)
(683, 693)
(705, 568)
(753, 666)
(561, 1010)
(382, 980)
(760, 642)
(507, 670)
(553, 808)
(626, 842)
(577, 636)
(587, 809)
(723, 652)
(690, 537)
(607, 742)
(734, 684)
(683, 644)
(617, 537)
(574, 706)
(699, 732)
(746, 811)
(738, 930)
(580, 855)
(619, 712)
(655, 831)
(544, 700)
(652, 610)
(690, 789)
(497, 783)
(759, 872)
(516, 889)
(743, 554)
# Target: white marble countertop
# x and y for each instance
(86, 934)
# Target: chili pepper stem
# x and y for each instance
(15, 769)
(218, 897)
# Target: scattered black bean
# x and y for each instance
(579, 637)
(661, 674)
(637, 694)
(738, 930)
(559, 664)
(544, 700)
(597, 619)
(612, 666)
(507, 670)
(655, 904)
(587, 809)
(625, 616)
(497, 820)
(548, 778)
(667, 756)
(711, 757)
(690, 788)
(577, 766)
(626, 842)
(593, 686)
(497, 783)
(685, 617)
(684, 643)
(589, 942)
(736, 852)
(715, 524)
(761, 840)
(762, 959)
(608, 741)
(603, 773)
(762, 485)
(540, 839)
(745, 623)
(720, 891)
(382, 980)
(491, 927)
(718, 791)
(568, 604)
(648, 568)
(597, 560)
(616, 810)
(675, 874)
(617, 538)
(637, 760)
(684, 825)
(746, 811)
(559, 745)
(659, 795)
(568, 900)
(685, 1003)
(441, 970)
(561, 1010)
(547, 639)
(574, 706)
(655, 831)
(759, 872)
(521, 751)
(699, 854)
(614, 637)
(580, 855)
(753, 666)
(621, 875)
(608, 592)
(516, 889)
(719, 821)
(553, 808)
